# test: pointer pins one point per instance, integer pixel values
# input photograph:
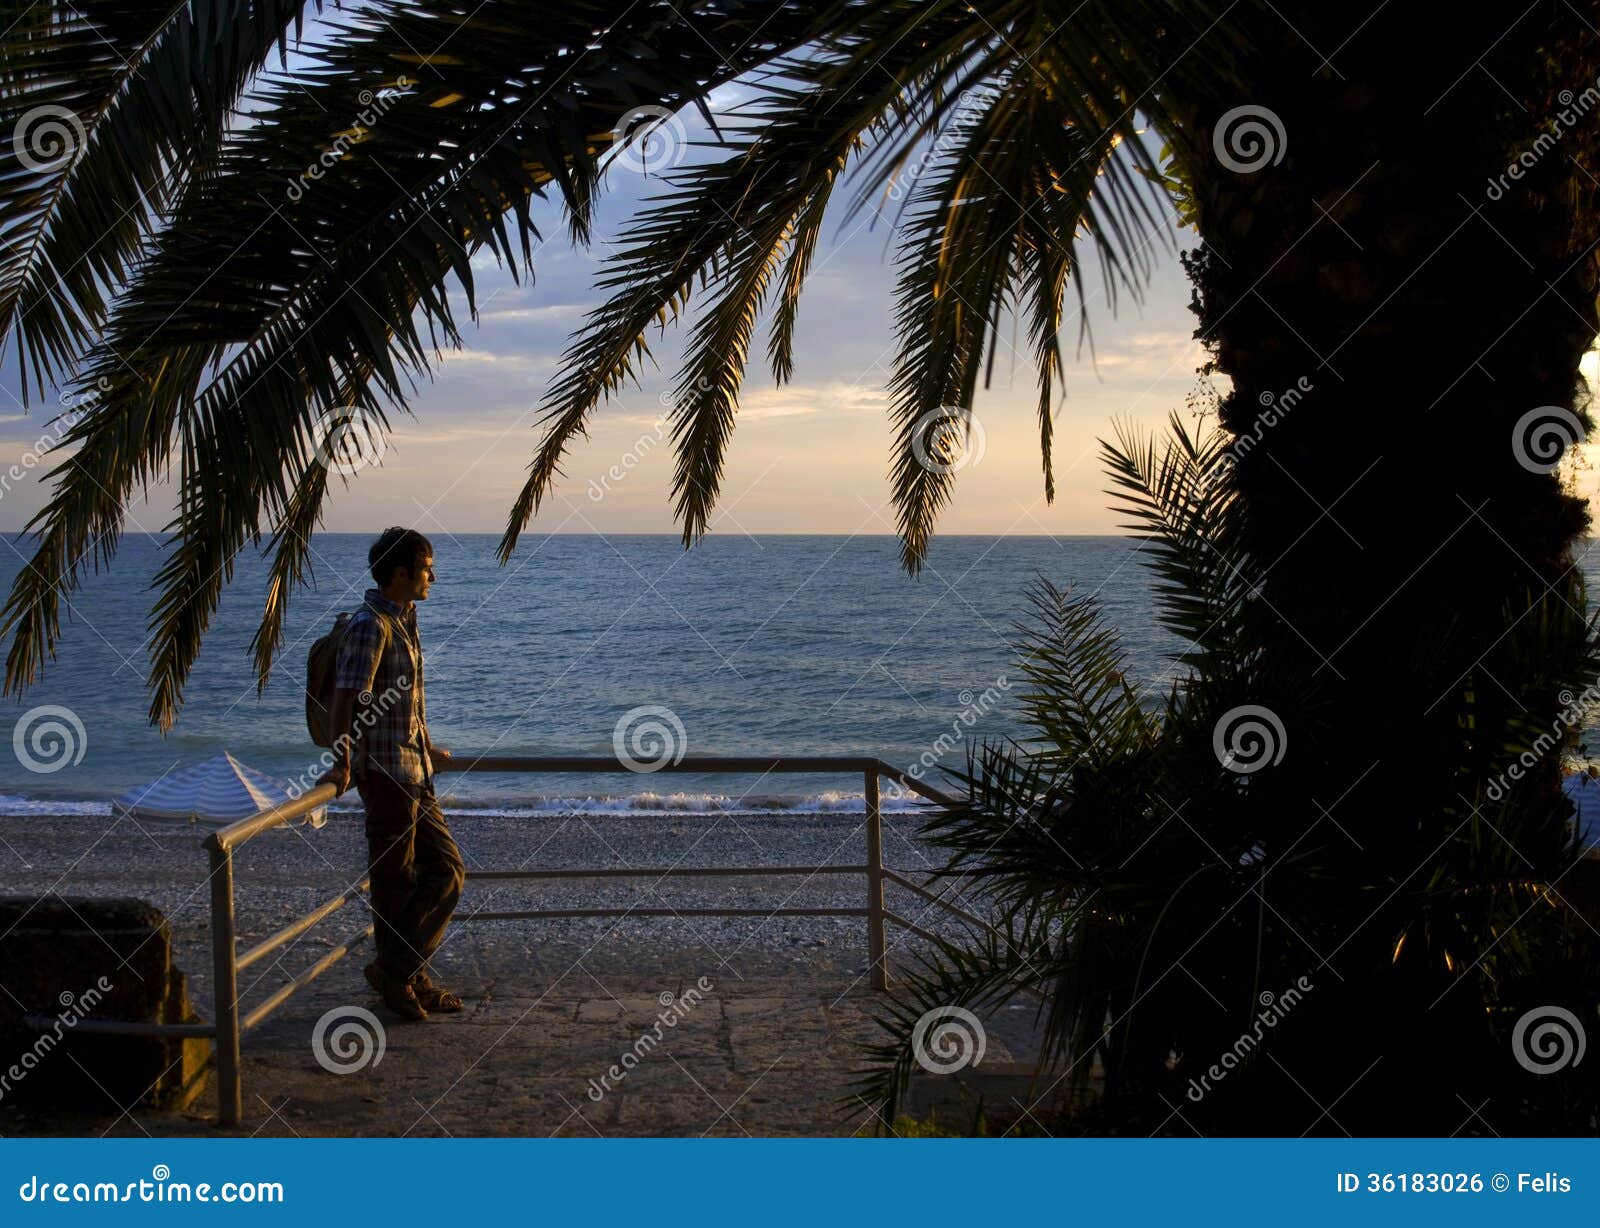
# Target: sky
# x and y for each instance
(810, 457)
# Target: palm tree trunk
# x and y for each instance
(1390, 303)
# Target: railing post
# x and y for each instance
(875, 946)
(225, 981)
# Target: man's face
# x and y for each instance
(421, 579)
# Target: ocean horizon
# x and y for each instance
(791, 644)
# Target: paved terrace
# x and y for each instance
(767, 1050)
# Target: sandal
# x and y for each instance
(397, 994)
(436, 997)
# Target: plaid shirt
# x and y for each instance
(390, 729)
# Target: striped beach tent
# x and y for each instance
(217, 792)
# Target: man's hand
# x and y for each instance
(443, 760)
(338, 776)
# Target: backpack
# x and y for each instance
(322, 670)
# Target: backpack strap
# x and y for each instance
(383, 622)
(386, 632)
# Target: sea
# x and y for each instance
(626, 646)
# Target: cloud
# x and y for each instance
(793, 400)
(1149, 356)
(43, 457)
(511, 362)
(402, 437)
(551, 311)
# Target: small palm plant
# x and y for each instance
(1198, 927)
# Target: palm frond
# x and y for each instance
(234, 355)
(229, 360)
(1179, 500)
(979, 976)
(1078, 699)
(725, 224)
(1033, 165)
(111, 108)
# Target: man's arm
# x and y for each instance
(340, 720)
(356, 668)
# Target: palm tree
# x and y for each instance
(1228, 967)
(1419, 588)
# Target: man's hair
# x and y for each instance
(396, 548)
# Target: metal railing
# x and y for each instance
(231, 1023)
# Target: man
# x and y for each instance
(415, 867)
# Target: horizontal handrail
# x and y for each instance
(235, 834)
(121, 1027)
(284, 993)
(293, 930)
(662, 912)
(671, 872)
(902, 881)
(759, 764)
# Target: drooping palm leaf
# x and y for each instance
(725, 223)
(107, 107)
(231, 352)
(303, 274)
(1022, 105)
(984, 232)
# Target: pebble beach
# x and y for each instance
(283, 874)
